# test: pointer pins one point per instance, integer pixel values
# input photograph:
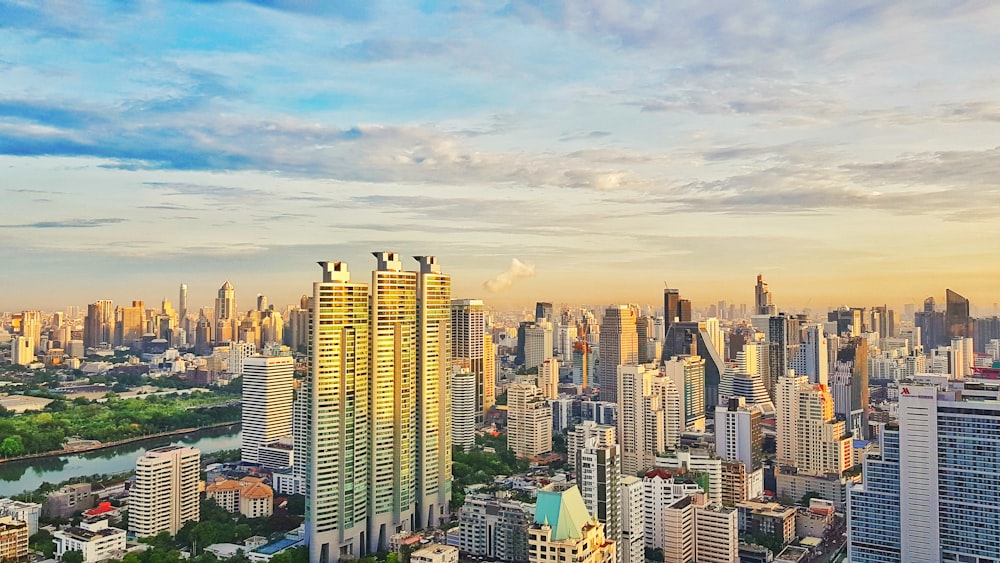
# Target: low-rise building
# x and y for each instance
(13, 539)
(794, 486)
(68, 500)
(249, 496)
(97, 541)
(813, 522)
(752, 553)
(792, 554)
(769, 519)
(435, 554)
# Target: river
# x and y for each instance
(20, 476)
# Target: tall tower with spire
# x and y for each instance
(762, 298)
(225, 314)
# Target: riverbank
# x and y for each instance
(106, 445)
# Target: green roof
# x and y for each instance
(563, 509)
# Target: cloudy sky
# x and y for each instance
(571, 151)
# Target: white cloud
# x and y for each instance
(505, 279)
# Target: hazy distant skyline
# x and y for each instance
(848, 151)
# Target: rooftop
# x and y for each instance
(561, 506)
(275, 547)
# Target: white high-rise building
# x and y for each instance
(716, 335)
(21, 351)
(529, 421)
(738, 433)
(238, 353)
(632, 547)
(637, 447)
(930, 494)
(267, 402)
(810, 438)
(583, 434)
(537, 343)
(548, 378)
(698, 461)
(332, 418)
(463, 410)
(31, 328)
(165, 494)
(668, 399)
(433, 463)
(740, 437)
(817, 364)
(716, 532)
(660, 491)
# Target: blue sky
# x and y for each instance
(850, 151)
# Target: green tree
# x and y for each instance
(12, 446)
(42, 541)
(72, 556)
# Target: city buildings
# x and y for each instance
(529, 421)
(641, 430)
(716, 534)
(587, 433)
(28, 512)
(537, 343)
(249, 496)
(435, 554)
(762, 298)
(739, 436)
(372, 422)
(494, 528)
(472, 350)
(96, 541)
(224, 323)
(810, 437)
(13, 539)
(165, 494)
(548, 378)
(463, 410)
(598, 476)
(267, 402)
(433, 400)
(631, 548)
(619, 347)
(331, 418)
(661, 490)
(688, 376)
(68, 500)
(930, 493)
(99, 324)
(563, 527)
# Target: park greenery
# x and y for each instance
(479, 466)
(215, 526)
(113, 420)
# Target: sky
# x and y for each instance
(577, 151)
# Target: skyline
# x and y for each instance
(846, 152)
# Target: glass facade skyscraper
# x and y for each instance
(931, 493)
